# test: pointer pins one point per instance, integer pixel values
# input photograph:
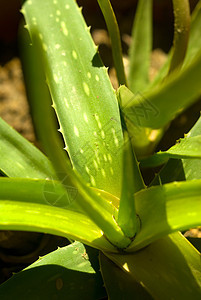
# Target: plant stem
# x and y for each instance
(114, 33)
(181, 33)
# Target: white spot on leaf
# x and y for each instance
(64, 29)
(95, 164)
(105, 157)
(85, 117)
(102, 134)
(74, 53)
(66, 102)
(103, 172)
(76, 131)
(109, 157)
(93, 182)
(86, 88)
(56, 79)
(87, 169)
(44, 47)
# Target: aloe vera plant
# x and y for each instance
(92, 191)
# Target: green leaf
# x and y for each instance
(157, 107)
(181, 169)
(46, 192)
(99, 210)
(71, 272)
(170, 172)
(189, 147)
(88, 114)
(144, 139)
(19, 158)
(194, 44)
(181, 33)
(192, 167)
(119, 284)
(166, 209)
(141, 47)
(163, 266)
(132, 183)
(35, 217)
(40, 102)
(114, 33)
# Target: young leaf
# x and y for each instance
(141, 47)
(192, 167)
(181, 33)
(71, 270)
(76, 77)
(114, 33)
(181, 169)
(132, 183)
(174, 206)
(19, 158)
(194, 44)
(144, 139)
(156, 108)
(189, 147)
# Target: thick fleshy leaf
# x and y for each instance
(141, 46)
(189, 147)
(71, 272)
(99, 210)
(169, 268)
(143, 139)
(181, 33)
(195, 38)
(76, 76)
(132, 183)
(35, 217)
(96, 207)
(46, 192)
(166, 209)
(19, 158)
(40, 102)
(119, 284)
(193, 46)
(114, 33)
(181, 169)
(192, 167)
(170, 172)
(158, 106)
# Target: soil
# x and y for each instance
(13, 104)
